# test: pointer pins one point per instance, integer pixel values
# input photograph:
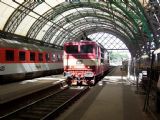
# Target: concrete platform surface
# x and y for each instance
(15, 90)
(107, 102)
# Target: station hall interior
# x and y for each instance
(121, 74)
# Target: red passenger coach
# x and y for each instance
(84, 62)
(20, 61)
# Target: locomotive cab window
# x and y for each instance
(32, 56)
(10, 55)
(22, 56)
(86, 49)
(40, 57)
(97, 53)
(102, 56)
(72, 49)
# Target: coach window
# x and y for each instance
(22, 56)
(10, 55)
(58, 57)
(40, 57)
(53, 57)
(32, 56)
(158, 57)
(47, 56)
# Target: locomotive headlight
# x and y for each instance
(67, 74)
(87, 67)
(89, 74)
(79, 62)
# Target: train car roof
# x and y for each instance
(5, 43)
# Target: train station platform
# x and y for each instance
(113, 98)
(16, 90)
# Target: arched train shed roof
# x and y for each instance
(58, 21)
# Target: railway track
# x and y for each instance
(48, 107)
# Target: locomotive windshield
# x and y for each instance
(86, 49)
(72, 49)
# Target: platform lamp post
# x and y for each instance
(146, 102)
(122, 69)
(136, 73)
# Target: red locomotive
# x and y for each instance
(84, 62)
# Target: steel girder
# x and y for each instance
(85, 26)
(53, 31)
(63, 34)
(105, 29)
(18, 15)
(69, 6)
(134, 17)
(124, 39)
(38, 25)
(41, 22)
(128, 11)
(78, 25)
(95, 23)
(153, 13)
(75, 16)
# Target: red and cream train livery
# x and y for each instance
(20, 61)
(84, 62)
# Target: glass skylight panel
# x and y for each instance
(6, 11)
(53, 39)
(75, 11)
(66, 26)
(56, 35)
(109, 41)
(78, 29)
(69, 12)
(25, 25)
(58, 18)
(33, 14)
(43, 31)
(42, 8)
(12, 3)
(54, 3)
(60, 22)
(63, 41)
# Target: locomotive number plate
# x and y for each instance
(79, 66)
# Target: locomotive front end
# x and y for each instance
(79, 63)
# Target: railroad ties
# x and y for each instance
(48, 107)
